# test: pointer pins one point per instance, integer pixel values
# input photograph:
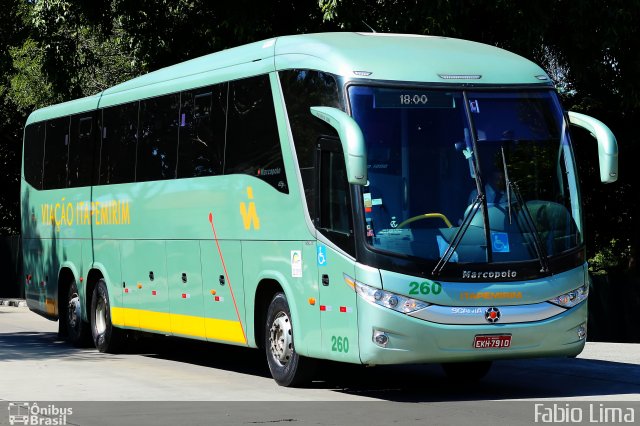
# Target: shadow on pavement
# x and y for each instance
(516, 379)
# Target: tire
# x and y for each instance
(287, 367)
(106, 337)
(75, 330)
(467, 372)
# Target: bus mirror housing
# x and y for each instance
(352, 140)
(607, 144)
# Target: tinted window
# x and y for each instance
(202, 126)
(82, 134)
(302, 90)
(253, 145)
(118, 149)
(55, 153)
(33, 154)
(334, 218)
(158, 145)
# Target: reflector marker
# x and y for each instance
(325, 308)
(126, 290)
(154, 293)
(186, 296)
(346, 309)
(218, 299)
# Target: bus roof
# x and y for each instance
(374, 56)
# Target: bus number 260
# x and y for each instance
(339, 344)
(425, 288)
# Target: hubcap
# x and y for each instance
(73, 312)
(281, 338)
(101, 316)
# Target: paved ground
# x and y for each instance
(35, 365)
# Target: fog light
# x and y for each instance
(380, 338)
(582, 332)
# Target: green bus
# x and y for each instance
(364, 198)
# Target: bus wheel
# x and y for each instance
(466, 372)
(77, 331)
(106, 337)
(287, 367)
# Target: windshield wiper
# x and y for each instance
(528, 219)
(506, 181)
(457, 237)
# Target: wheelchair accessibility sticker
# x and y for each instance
(322, 256)
(500, 242)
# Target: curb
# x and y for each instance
(17, 303)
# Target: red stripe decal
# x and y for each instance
(224, 267)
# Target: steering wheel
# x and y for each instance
(426, 216)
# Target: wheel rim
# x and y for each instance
(101, 316)
(281, 338)
(73, 312)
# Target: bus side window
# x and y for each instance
(303, 89)
(334, 200)
(34, 154)
(202, 126)
(253, 144)
(81, 151)
(56, 150)
(119, 134)
(158, 141)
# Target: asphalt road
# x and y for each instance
(36, 366)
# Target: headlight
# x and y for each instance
(388, 300)
(572, 298)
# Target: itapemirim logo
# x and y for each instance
(30, 413)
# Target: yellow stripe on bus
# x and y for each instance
(183, 325)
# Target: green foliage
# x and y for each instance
(610, 257)
(29, 87)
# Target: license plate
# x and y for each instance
(492, 341)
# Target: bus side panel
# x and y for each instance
(339, 314)
(293, 267)
(107, 260)
(184, 275)
(144, 271)
(54, 235)
(223, 291)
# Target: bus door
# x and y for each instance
(338, 315)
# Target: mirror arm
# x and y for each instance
(607, 144)
(352, 141)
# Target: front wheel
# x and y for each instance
(287, 367)
(106, 337)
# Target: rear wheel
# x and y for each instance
(287, 367)
(76, 330)
(106, 337)
(467, 371)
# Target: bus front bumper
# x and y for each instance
(413, 340)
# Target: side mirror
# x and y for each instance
(607, 145)
(352, 140)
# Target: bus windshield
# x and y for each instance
(426, 150)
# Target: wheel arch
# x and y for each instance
(266, 289)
